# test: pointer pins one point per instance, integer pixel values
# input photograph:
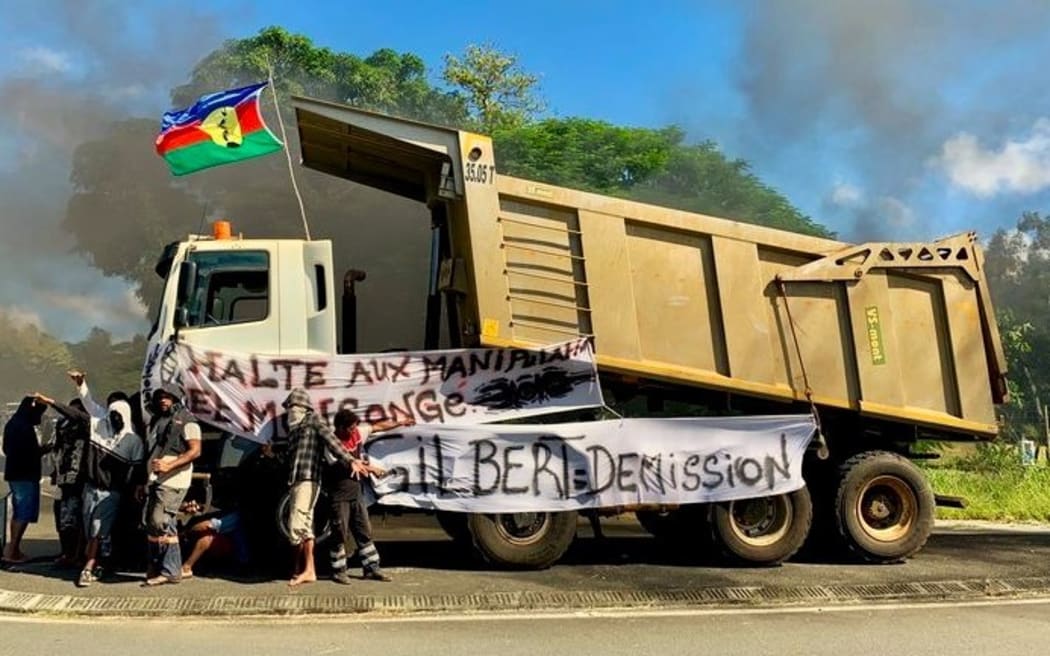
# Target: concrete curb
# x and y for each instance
(709, 597)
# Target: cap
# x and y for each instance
(299, 397)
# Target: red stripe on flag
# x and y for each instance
(248, 115)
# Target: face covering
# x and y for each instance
(296, 414)
(116, 422)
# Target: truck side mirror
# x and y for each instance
(182, 317)
(187, 281)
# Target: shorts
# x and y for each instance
(302, 498)
(70, 509)
(225, 524)
(25, 501)
(100, 511)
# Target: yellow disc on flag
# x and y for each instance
(223, 127)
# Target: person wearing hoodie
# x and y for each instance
(113, 459)
(71, 436)
(22, 471)
(309, 439)
(174, 441)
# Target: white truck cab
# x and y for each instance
(262, 296)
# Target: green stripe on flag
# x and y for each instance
(207, 154)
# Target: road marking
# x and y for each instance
(523, 616)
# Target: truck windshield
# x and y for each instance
(231, 287)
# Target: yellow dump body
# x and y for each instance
(903, 332)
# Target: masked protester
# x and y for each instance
(113, 459)
(71, 436)
(22, 470)
(309, 439)
(174, 442)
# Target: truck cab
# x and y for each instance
(272, 296)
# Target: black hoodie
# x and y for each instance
(21, 445)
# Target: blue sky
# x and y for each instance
(899, 120)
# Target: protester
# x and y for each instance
(71, 436)
(309, 438)
(113, 458)
(22, 470)
(348, 509)
(219, 536)
(174, 442)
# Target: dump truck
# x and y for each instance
(886, 344)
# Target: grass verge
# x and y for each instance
(1011, 494)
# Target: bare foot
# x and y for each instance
(301, 579)
(17, 557)
(187, 573)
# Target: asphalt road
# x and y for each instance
(1014, 628)
(424, 561)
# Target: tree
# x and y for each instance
(110, 366)
(653, 166)
(31, 360)
(499, 93)
(1017, 265)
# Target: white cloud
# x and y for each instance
(1016, 166)
(898, 214)
(22, 316)
(45, 60)
(844, 194)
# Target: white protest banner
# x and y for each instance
(518, 468)
(243, 393)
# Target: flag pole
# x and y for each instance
(287, 153)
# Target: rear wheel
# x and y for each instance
(764, 530)
(522, 540)
(884, 507)
(322, 523)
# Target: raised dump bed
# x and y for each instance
(898, 332)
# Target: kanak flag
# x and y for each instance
(220, 128)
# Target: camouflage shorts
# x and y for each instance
(70, 508)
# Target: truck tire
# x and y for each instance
(762, 531)
(522, 540)
(322, 525)
(884, 507)
(454, 524)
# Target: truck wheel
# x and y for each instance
(455, 525)
(883, 507)
(762, 531)
(522, 540)
(322, 526)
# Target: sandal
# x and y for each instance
(159, 580)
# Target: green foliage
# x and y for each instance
(990, 458)
(31, 360)
(1017, 264)
(585, 153)
(110, 366)
(651, 166)
(386, 81)
(499, 94)
(1011, 494)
